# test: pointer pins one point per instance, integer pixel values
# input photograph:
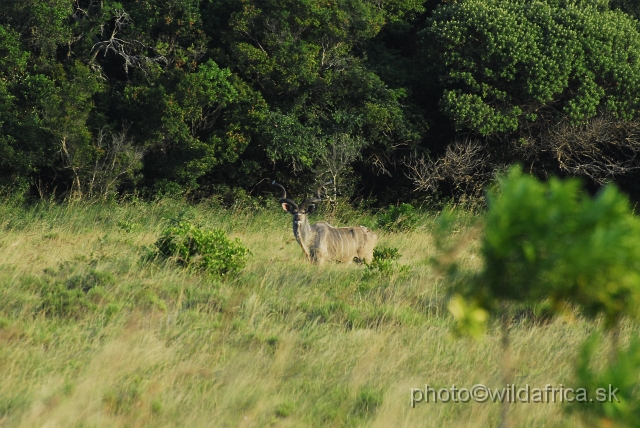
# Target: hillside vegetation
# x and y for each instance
(94, 333)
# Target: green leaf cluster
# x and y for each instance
(620, 375)
(384, 259)
(210, 251)
(553, 242)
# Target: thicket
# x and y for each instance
(106, 98)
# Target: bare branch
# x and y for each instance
(465, 165)
(127, 50)
(601, 149)
(117, 157)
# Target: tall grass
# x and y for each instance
(94, 334)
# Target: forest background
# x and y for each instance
(396, 100)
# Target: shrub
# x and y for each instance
(402, 218)
(501, 65)
(384, 259)
(75, 297)
(619, 375)
(209, 251)
(552, 241)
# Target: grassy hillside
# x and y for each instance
(91, 334)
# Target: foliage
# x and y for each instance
(552, 241)
(470, 319)
(628, 6)
(400, 218)
(619, 376)
(508, 64)
(197, 85)
(384, 259)
(182, 113)
(100, 100)
(76, 296)
(206, 250)
(304, 56)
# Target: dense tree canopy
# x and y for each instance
(505, 63)
(100, 98)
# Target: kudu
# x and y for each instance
(322, 242)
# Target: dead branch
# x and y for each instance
(128, 50)
(601, 149)
(466, 165)
(117, 158)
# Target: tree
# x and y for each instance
(257, 87)
(177, 118)
(628, 6)
(305, 58)
(513, 65)
(552, 242)
(15, 161)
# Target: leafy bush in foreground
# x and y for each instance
(206, 250)
(622, 409)
(552, 241)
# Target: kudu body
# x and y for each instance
(322, 242)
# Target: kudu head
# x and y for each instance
(300, 212)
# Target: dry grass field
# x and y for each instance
(94, 335)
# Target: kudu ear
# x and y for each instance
(286, 207)
(310, 208)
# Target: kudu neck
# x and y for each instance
(302, 230)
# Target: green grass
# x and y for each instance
(92, 333)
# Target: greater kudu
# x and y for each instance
(322, 242)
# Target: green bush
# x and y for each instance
(553, 241)
(619, 376)
(75, 297)
(504, 62)
(401, 218)
(384, 259)
(209, 251)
